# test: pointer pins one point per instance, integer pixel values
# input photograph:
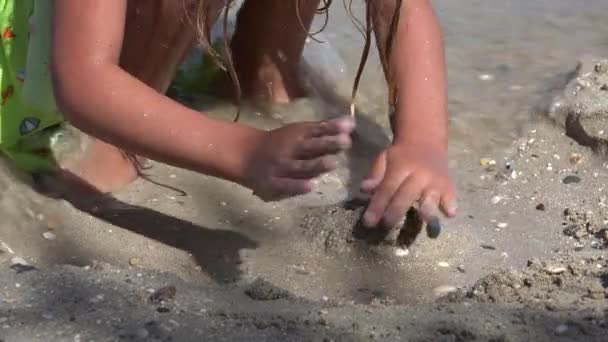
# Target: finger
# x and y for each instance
(429, 203)
(448, 203)
(342, 125)
(306, 169)
(376, 174)
(282, 188)
(429, 212)
(380, 200)
(318, 147)
(409, 191)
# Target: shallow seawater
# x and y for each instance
(504, 59)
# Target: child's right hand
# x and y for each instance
(291, 156)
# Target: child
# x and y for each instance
(111, 62)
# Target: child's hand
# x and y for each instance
(404, 174)
(291, 156)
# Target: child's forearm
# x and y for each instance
(418, 65)
(119, 109)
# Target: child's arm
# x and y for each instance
(414, 167)
(103, 100)
(418, 63)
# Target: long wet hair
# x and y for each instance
(204, 24)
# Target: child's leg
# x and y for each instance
(100, 166)
(267, 46)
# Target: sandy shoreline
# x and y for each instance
(542, 200)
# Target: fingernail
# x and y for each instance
(369, 219)
(366, 184)
(347, 124)
(452, 209)
(369, 184)
(344, 141)
(433, 228)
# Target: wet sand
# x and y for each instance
(524, 260)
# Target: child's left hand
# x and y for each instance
(404, 174)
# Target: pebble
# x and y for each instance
(502, 225)
(172, 176)
(4, 247)
(443, 264)
(540, 207)
(301, 270)
(444, 290)
(561, 329)
(163, 294)
(555, 269)
(486, 77)
(142, 333)
(461, 269)
(223, 204)
(582, 83)
(571, 179)
(601, 67)
(97, 299)
(18, 261)
(49, 235)
(135, 261)
(19, 265)
(575, 158)
(515, 87)
(402, 252)
(496, 199)
(487, 162)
